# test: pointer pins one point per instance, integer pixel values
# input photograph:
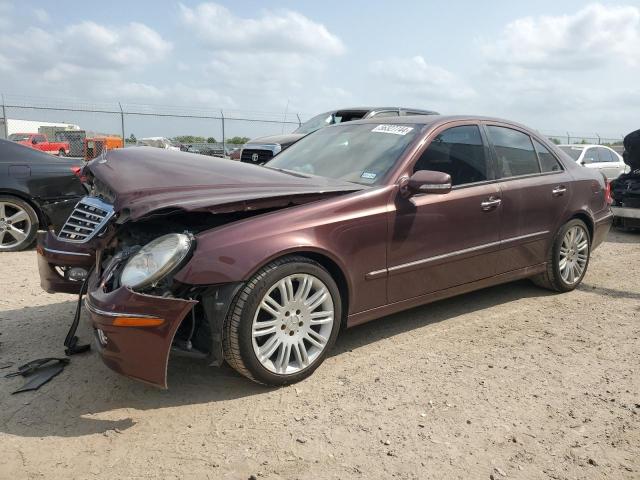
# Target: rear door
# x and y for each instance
(535, 191)
(610, 165)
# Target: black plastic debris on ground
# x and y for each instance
(38, 372)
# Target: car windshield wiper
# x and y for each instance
(290, 172)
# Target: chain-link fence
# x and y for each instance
(85, 129)
(81, 129)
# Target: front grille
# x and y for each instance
(87, 220)
(255, 156)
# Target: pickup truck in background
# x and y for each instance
(39, 141)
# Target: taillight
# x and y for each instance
(607, 193)
(77, 171)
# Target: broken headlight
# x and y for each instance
(155, 260)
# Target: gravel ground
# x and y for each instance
(508, 382)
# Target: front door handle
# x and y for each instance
(490, 204)
(559, 190)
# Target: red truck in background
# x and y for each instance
(39, 141)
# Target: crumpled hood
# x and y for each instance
(146, 179)
(285, 140)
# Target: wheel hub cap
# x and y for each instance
(292, 324)
(15, 225)
(574, 253)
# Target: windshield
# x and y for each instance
(573, 152)
(355, 153)
(318, 122)
(19, 137)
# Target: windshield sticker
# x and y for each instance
(368, 175)
(395, 129)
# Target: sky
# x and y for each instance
(555, 66)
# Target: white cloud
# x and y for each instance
(282, 31)
(41, 15)
(268, 59)
(581, 41)
(415, 75)
(82, 47)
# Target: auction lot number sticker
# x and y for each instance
(395, 129)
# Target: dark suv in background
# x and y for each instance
(262, 149)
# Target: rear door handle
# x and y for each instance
(490, 204)
(559, 190)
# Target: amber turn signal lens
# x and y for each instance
(137, 322)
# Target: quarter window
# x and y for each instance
(548, 162)
(515, 152)
(458, 151)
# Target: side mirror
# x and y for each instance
(429, 181)
(583, 163)
(34, 141)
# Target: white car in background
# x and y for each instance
(605, 159)
(157, 142)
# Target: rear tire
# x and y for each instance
(286, 340)
(568, 258)
(61, 153)
(18, 224)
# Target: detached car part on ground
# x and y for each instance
(260, 150)
(626, 188)
(261, 266)
(37, 190)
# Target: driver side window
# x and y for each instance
(458, 151)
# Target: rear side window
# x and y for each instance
(591, 156)
(605, 155)
(515, 152)
(548, 162)
(458, 151)
(386, 113)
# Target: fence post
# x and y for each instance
(4, 119)
(568, 138)
(224, 151)
(299, 122)
(122, 124)
(599, 140)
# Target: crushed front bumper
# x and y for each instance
(139, 352)
(54, 253)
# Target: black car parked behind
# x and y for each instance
(37, 190)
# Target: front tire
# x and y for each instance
(568, 259)
(18, 224)
(282, 324)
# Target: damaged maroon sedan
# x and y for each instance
(261, 266)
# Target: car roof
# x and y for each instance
(581, 145)
(371, 109)
(439, 120)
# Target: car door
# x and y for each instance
(535, 191)
(441, 241)
(590, 158)
(610, 164)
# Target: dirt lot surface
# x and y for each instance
(509, 382)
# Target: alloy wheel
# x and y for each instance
(15, 225)
(292, 324)
(574, 254)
